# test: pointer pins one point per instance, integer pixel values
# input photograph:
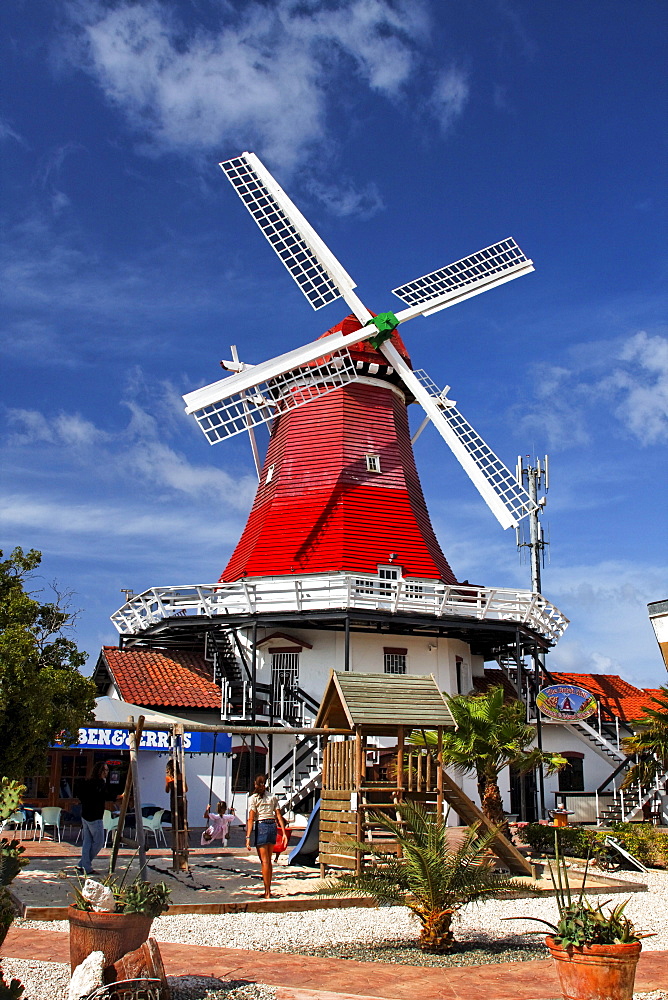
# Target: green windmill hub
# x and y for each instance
(385, 323)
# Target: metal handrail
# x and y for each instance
(340, 591)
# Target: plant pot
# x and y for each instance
(114, 934)
(596, 971)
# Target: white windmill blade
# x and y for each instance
(235, 406)
(309, 260)
(506, 498)
(254, 375)
(464, 278)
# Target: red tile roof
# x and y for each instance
(617, 695)
(161, 679)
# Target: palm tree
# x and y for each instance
(649, 744)
(491, 734)
(427, 876)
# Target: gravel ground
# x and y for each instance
(387, 934)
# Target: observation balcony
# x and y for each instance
(340, 591)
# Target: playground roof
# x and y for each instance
(382, 703)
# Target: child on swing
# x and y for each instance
(218, 824)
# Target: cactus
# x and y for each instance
(11, 796)
(10, 991)
(11, 860)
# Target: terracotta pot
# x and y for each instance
(114, 934)
(597, 971)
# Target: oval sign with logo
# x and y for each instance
(566, 702)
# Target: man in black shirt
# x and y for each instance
(93, 797)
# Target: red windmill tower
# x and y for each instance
(338, 565)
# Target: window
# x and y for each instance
(571, 779)
(284, 685)
(387, 576)
(373, 463)
(73, 768)
(394, 660)
(270, 474)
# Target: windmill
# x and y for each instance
(258, 394)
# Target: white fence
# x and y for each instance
(340, 591)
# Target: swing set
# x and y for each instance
(176, 782)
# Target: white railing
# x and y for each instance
(340, 591)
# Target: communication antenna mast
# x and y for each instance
(536, 476)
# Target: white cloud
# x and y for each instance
(610, 631)
(449, 97)
(264, 78)
(642, 382)
(7, 132)
(66, 429)
(624, 380)
(138, 454)
(80, 525)
(345, 199)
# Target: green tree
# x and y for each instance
(43, 696)
(429, 876)
(492, 733)
(649, 744)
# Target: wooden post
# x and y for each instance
(357, 787)
(400, 763)
(134, 767)
(439, 773)
(129, 779)
(326, 750)
(178, 804)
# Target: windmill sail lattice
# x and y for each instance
(249, 408)
(471, 275)
(309, 261)
(506, 487)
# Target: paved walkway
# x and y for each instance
(302, 977)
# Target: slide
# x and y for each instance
(308, 847)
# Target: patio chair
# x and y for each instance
(153, 824)
(110, 824)
(49, 816)
(17, 820)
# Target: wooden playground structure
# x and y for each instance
(356, 712)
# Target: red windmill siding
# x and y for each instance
(322, 511)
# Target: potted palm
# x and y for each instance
(117, 930)
(595, 951)
(427, 875)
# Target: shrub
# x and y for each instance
(576, 841)
(648, 844)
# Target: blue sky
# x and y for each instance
(411, 133)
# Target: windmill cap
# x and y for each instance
(364, 351)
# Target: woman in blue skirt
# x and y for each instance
(264, 816)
